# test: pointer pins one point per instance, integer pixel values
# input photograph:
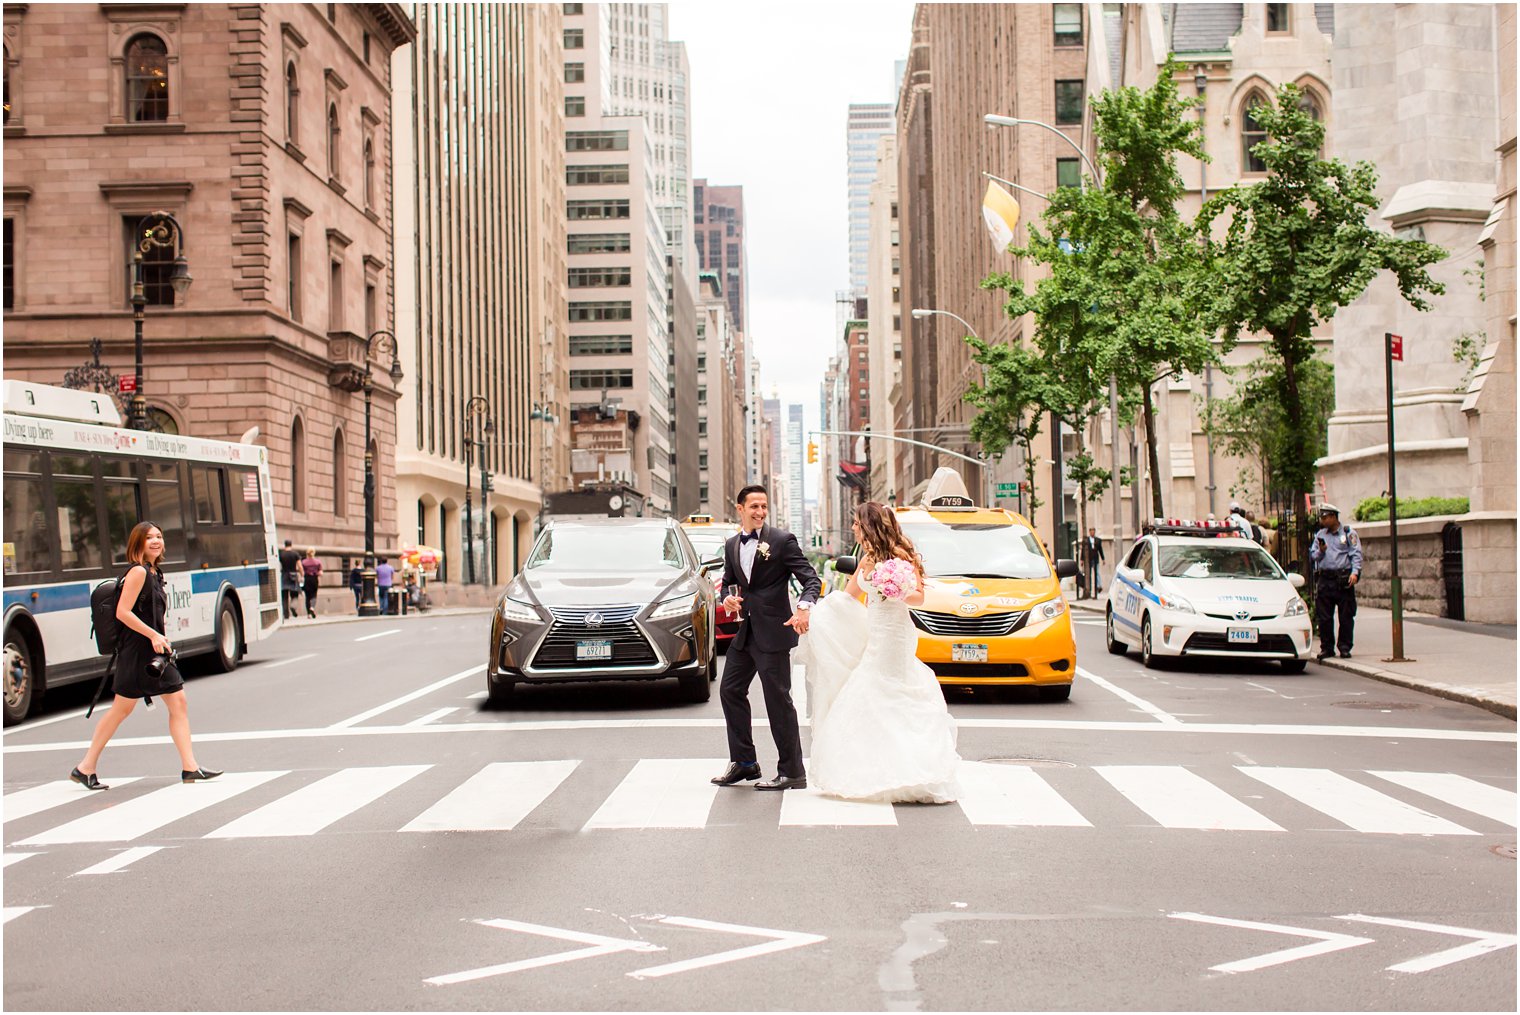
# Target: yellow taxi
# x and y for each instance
(993, 611)
(707, 536)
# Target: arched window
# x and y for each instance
(7, 84)
(369, 173)
(332, 141)
(147, 91)
(297, 466)
(1252, 133)
(292, 106)
(340, 477)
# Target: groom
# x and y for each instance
(759, 560)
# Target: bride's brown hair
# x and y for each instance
(882, 538)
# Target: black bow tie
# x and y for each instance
(745, 537)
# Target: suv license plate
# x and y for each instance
(1242, 635)
(968, 653)
(593, 651)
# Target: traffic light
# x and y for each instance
(812, 452)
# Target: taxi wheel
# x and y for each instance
(1147, 657)
(1060, 692)
(1115, 646)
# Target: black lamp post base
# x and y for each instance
(369, 606)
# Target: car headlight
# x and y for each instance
(511, 609)
(1049, 610)
(677, 607)
(1296, 607)
(1170, 602)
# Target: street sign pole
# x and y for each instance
(1394, 343)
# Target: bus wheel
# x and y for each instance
(18, 677)
(228, 637)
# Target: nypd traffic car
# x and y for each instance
(1201, 589)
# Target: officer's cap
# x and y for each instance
(1329, 509)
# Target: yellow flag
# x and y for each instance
(1001, 211)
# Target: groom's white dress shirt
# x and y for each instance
(747, 549)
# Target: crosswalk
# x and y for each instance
(674, 793)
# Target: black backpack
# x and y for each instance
(103, 623)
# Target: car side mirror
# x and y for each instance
(710, 563)
(1066, 568)
(1296, 580)
(1132, 573)
(846, 565)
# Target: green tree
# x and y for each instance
(1121, 295)
(1010, 397)
(1297, 248)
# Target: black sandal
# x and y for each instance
(91, 781)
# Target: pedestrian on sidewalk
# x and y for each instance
(311, 570)
(356, 584)
(290, 578)
(1092, 556)
(385, 577)
(1238, 519)
(1337, 555)
(145, 660)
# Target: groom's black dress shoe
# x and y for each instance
(736, 772)
(784, 782)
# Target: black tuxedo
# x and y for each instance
(763, 645)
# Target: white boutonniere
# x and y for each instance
(764, 550)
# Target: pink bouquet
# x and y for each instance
(894, 579)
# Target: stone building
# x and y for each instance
(481, 310)
(265, 130)
(967, 60)
(884, 321)
(721, 452)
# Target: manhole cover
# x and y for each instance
(1377, 706)
(1032, 762)
(1506, 850)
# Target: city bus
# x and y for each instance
(75, 484)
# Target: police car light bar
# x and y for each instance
(1193, 527)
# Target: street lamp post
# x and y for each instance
(379, 342)
(474, 408)
(158, 230)
(922, 313)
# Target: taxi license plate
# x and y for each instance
(593, 651)
(968, 653)
(1242, 635)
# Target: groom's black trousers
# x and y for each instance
(775, 669)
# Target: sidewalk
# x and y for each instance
(1472, 663)
(348, 618)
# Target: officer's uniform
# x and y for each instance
(1337, 556)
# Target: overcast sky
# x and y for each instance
(770, 84)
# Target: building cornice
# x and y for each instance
(395, 21)
(113, 189)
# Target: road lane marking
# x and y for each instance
(495, 798)
(9, 913)
(413, 696)
(32, 724)
(120, 860)
(144, 814)
(431, 717)
(809, 807)
(1135, 700)
(1013, 795)
(11, 858)
(1486, 941)
(24, 803)
(598, 945)
(313, 807)
(1351, 803)
(781, 940)
(285, 662)
(661, 793)
(1459, 791)
(1328, 942)
(379, 634)
(1179, 798)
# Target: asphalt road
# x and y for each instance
(1193, 838)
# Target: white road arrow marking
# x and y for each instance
(1485, 941)
(781, 940)
(599, 945)
(1328, 942)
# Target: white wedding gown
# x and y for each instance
(881, 730)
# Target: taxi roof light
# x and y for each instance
(947, 491)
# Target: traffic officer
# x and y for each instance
(1337, 555)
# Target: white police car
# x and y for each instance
(1200, 589)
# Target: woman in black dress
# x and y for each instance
(140, 610)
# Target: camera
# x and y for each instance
(161, 661)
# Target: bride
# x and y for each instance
(881, 730)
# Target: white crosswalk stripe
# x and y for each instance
(494, 799)
(24, 803)
(675, 793)
(313, 807)
(1179, 798)
(661, 793)
(1459, 791)
(140, 815)
(1351, 803)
